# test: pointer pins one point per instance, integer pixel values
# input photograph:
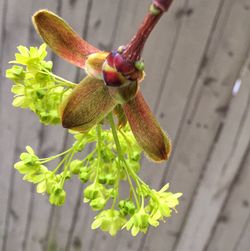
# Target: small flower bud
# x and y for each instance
(84, 176)
(98, 204)
(57, 196)
(75, 166)
(163, 5)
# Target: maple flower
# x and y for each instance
(112, 82)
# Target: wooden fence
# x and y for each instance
(197, 53)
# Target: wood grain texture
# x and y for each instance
(193, 59)
(12, 218)
(232, 229)
(223, 165)
(233, 220)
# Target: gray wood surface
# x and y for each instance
(193, 59)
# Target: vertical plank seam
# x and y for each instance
(10, 197)
(32, 197)
(6, 223)
(204, 169)
(115, 29)
(3, 33)
(170, 59)
(74, 219)
(242, 234)
(3, 29)
(230, 190)
(213, 54)
(85, 31)
(191, 93)
(46, 243)
(40, 141)
(236, 178)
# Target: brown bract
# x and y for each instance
(146, 129)
(61, 38)
(87, 105)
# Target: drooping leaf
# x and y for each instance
(146, 129)
(62, 39)
(87, 105)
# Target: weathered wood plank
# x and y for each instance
(244, 241)
(201, 119)
(233, 221)
(31, 134)
(3, 12)
(15, 33)
(222, 167)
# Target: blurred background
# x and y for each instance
(198, 73)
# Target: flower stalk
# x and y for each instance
(133, 50)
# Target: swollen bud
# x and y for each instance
(163, 5)
(121, 77)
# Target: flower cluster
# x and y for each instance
(35, 86)
(115, 157)
(47, 181)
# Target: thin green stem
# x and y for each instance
(127, 141)
(120, 155)
(99, 145)
(67, 166)
(60, 164)
(59, 79)
(45, 160)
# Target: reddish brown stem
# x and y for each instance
(134, 49)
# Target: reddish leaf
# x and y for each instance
(88, 104)
(62, 39)
(146, 129)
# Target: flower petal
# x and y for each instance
(62, 39)
(94, 64)
(87, 105)
(146, 129)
